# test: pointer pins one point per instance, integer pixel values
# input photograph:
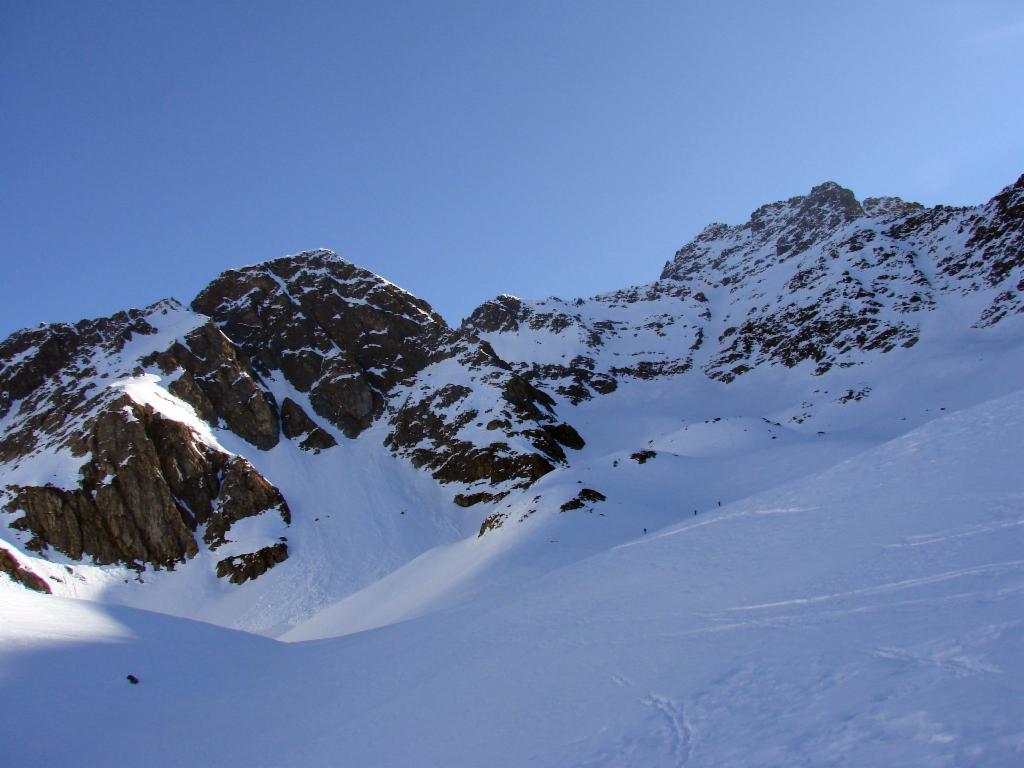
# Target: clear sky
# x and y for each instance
(466, 149)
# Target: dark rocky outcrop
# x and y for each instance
(20, 575)
(440, 426)
(583, 498)
(642, 457)
(50, 377)
(492, 523)
(220, 384)
(337, 332)
(296, 423)
(243, 568)
(481, 497)
(146, 486)
(243, 493)
(499, 315)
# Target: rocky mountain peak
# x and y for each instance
(781, 229)
(334, 331)
(502, 313)
(801, 221)
(1011, 199)
(832, 194)
(889, 208)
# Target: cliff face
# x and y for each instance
(100, 462)
(335, 332)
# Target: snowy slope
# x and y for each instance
(865, 615)
(357, 514)
(712, 443)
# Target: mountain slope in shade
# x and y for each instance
(828, 621)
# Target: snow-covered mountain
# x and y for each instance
(775, 492)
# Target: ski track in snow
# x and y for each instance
(679, 730)
(926, 539)
(892, 587)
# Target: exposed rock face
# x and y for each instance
(583, 498)
(243, 493)
(337, 332)
(252, 565)
(134, 485)
(49, 379)
(219, 383)
(642, 457)
(500, 315)
(295, 423)
(146, 487)
(889, 208)
(636, 333)
(348, 338)
(21, 575)
(481, 497)
(492, 427)
(492, 522)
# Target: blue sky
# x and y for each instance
(465, 149)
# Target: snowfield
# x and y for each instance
(871, 613)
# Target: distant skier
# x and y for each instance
(719, 503)
(133, 679)
(645, 530)
(695, 513)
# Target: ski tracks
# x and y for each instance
(679, 731)
(663, 739)
(987, 568)
(955, 534)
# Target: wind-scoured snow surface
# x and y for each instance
(868, 614)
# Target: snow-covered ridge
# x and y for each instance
(818, 279)
(298, 385)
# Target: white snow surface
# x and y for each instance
(867, 613)
(146, 390)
